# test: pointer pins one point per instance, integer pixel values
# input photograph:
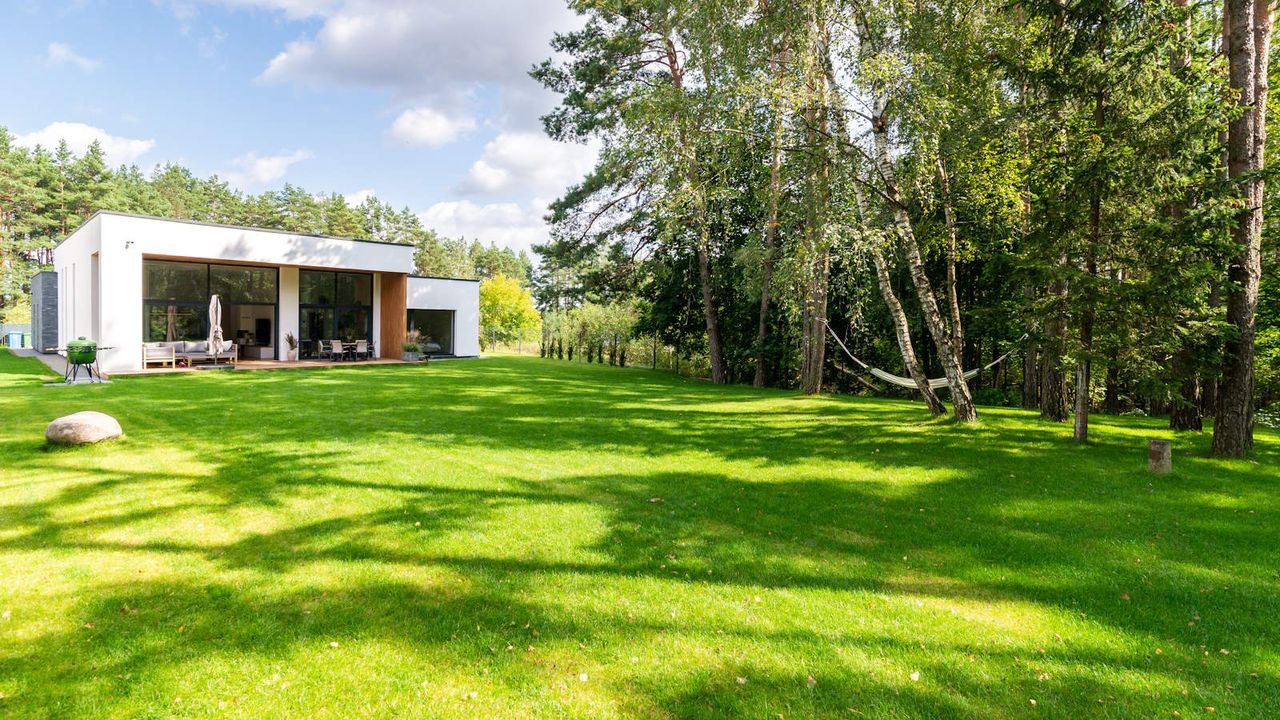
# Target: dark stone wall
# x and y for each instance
(44, 310)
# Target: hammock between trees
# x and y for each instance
(906, 382)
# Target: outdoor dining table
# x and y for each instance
(349, 348)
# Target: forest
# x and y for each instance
(932, 184)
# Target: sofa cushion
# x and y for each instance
(195, 346)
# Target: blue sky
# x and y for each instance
(425, 102)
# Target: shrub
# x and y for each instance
(991, 396)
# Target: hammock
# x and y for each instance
(906, 382)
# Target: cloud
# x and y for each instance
(358, 197)
(62, 54)
(508, 224)
(438, 50)
(526, 161)
(253, 170)
(424, 126)
(118, 150)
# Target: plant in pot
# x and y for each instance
(292, 342)
(411, 350)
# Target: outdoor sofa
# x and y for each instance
(189, 352)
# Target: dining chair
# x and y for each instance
(322, 350)
(362, 349)
(336, 350)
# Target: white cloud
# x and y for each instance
(507, 224)
(525, 161)
(118, 150)
(358, 197)
(62, 54)
(437, 50)
(424, 126)
(254, 170)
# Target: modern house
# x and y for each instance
(125, 280)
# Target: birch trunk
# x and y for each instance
(818, 258)
(960, 395)
(777, 59)
(949, 215)
(1249, 42)
(901, 328)
(903, 331)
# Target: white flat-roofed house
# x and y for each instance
(125, 280)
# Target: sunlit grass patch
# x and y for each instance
(525, 539)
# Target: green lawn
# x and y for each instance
(517, 537)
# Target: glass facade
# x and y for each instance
(175, 303)
(333, 306)
(435, 330)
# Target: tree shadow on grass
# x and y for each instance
(1058, 533)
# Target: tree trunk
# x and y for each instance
(1185, 414)
(1084, 365)
(777, 60)
(1031, 364)
(1250, 32)
(1111, 403)
(709, 313)
(1053, 381)
(948, 356)
(903, 331)
(957, 330)
(817, 256)
(901, 327)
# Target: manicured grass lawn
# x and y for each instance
(522, 538)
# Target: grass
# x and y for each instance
(523, 538)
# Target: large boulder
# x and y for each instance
(82, 428)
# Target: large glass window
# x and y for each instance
(175, 322)
(176, 295)
(334, 306)
(355, 289)
(435, 330)
(243, 284)
(166, 280)
(316, 287)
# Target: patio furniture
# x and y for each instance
(187, 353)
(337, 351)
(361, 351)
(162, 353)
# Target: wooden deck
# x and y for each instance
(58, 364)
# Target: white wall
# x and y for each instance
(461, 296)
(73, 261)
(288, 321)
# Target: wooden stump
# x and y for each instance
(1159, 457)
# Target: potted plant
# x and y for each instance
(292, 342)
(411, 350)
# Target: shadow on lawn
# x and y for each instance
(1087, 539)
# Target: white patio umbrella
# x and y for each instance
(215, 327)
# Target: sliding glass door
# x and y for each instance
(333, 306)
(175, 303)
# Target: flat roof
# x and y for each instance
(442, 277)
(230, 227)
(202, 223)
